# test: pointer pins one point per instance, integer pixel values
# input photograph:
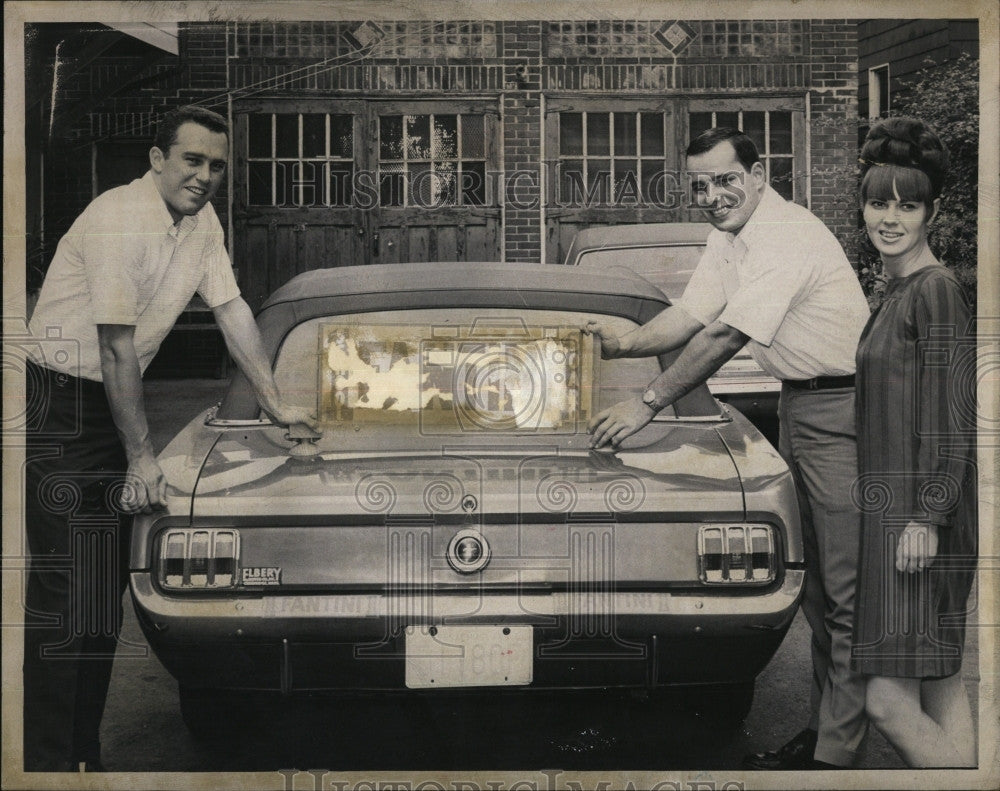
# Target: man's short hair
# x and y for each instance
(746, 151)
(166, 133)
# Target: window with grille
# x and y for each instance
(611, 157)
(771, 132)
(300, 159)
(432, 160)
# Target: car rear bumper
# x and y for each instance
(339, 642)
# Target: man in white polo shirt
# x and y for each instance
(774, 278)
(119, 279)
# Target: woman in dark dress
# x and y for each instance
(916, 451)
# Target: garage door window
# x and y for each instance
(432, 160)
(300, 159)
(610, 157)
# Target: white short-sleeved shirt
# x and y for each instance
(124, 261)
(784, 281)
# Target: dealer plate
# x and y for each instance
(468, 656)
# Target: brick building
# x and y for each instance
(380, 141)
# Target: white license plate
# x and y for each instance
(468, 656)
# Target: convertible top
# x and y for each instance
(449, 276)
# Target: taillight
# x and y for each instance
(191, 558)
(736, 554)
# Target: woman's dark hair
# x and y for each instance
(166, 132)
(746, 151)
(903, 156)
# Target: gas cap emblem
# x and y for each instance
(468, 551)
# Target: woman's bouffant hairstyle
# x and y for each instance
(903, 156)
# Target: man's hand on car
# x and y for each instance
(610, 343)
(145, 486)
(617, 422)
(287, 415)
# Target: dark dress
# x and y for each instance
(916, 413)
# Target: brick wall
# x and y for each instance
(522, 138)
(834, 109)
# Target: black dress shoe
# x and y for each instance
(796, 754)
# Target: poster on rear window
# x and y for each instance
(500, 396)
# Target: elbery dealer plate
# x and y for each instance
(468, 656)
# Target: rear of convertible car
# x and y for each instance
(452, 529)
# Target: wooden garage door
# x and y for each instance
(613, 160)
(330, 182)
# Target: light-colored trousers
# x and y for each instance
(817, 440)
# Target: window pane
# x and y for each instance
(259, 143)
(418, 137)
(286, 135)
(421, 185)
(390, 137)
(626, 181)
(473, 136)
(698, 123)
(341, 183)
(392, 181)
(286, 184)
(598, 134)
(753, 125)
(473, 183)
(342, 136)
(781, 176)
(781, 133)
(654, 185)
(444, 185)
(446, 136)
(570, 134)
(727, 119)
(652, 134)
(599, 180)
(259, 183)
(625, 134)
(571, 186)
(313, 135)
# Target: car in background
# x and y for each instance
(452, 529)
(666, 255)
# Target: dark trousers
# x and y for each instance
(78, 542)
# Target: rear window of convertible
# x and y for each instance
(457, 370)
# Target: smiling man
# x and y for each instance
(119, 279)
(774, 278)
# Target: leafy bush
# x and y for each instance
(946, 98)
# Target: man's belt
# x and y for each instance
(821, 382)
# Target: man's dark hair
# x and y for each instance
(166, 133)
(746, 151)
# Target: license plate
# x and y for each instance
(468, 656)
